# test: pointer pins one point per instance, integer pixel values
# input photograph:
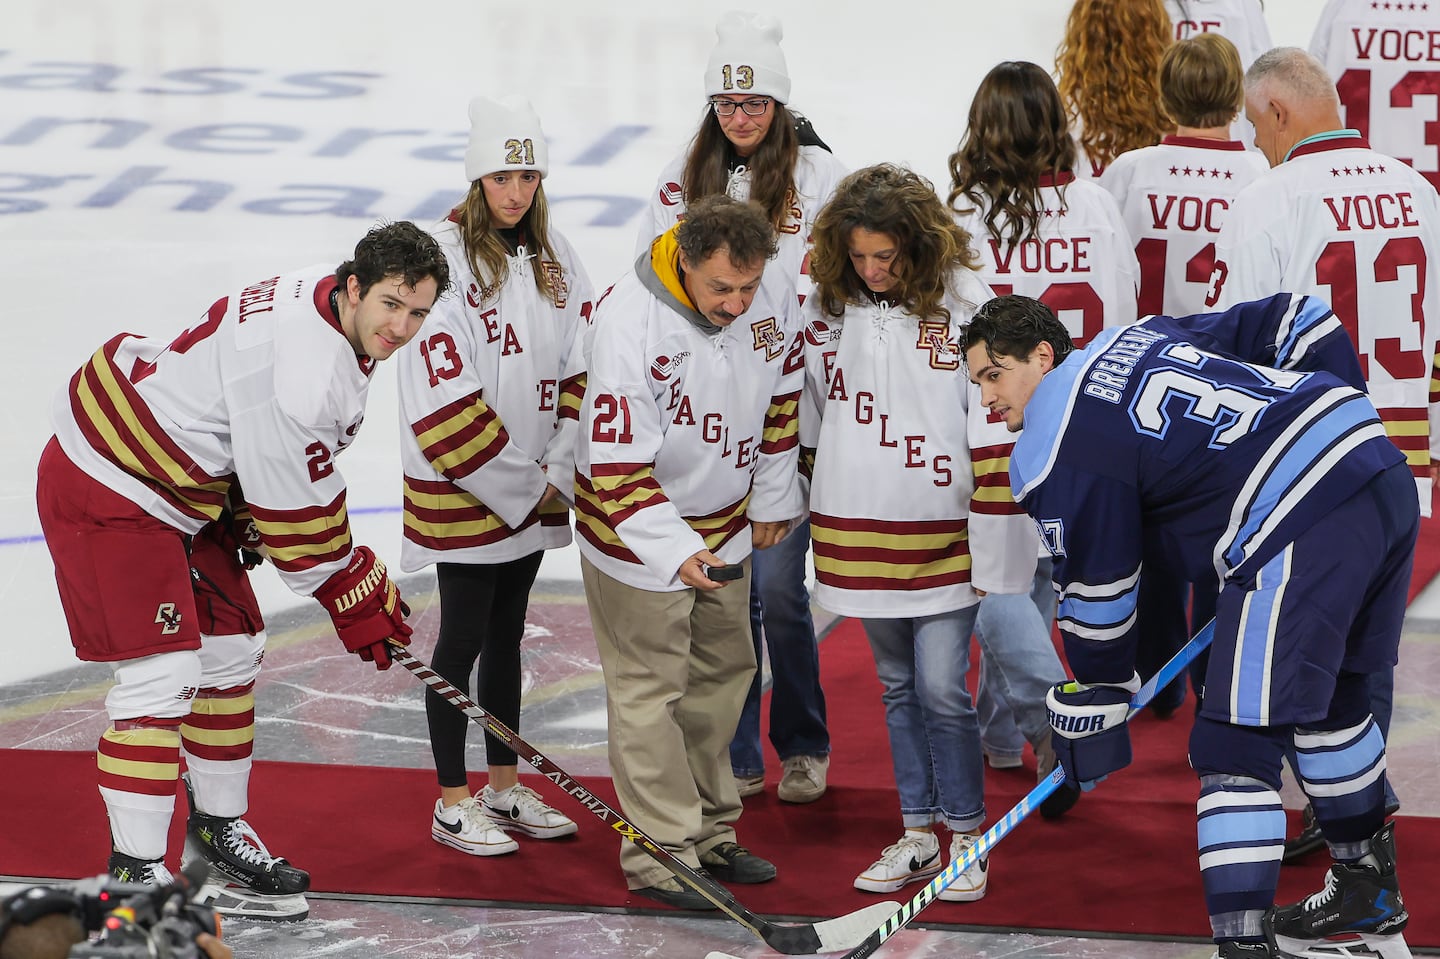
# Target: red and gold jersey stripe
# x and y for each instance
(440, 515)
(221, 724)
(992, 481)
(143, 759)
(1435, 380)
(1409, 429)
(890, 554)
(572, 395)
(593, 522)
(623, 489)
(117, 422)
(300, 539)
(782, 424)
(461, 437)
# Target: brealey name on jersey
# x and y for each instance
(662, 366)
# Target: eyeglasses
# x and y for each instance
(753, 108)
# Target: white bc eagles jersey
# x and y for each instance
(1173, 198)
(1385, 61)
(817, 173)
(1242, 22)
(685, 435)
(265, 390)
(1082, 264)
(910, 506)
(1362, 232)
(489, 392)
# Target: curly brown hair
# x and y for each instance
(1017, 133)
(772, 165)
(892, 200)
(1109, 69)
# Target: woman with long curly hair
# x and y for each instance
(910, 516)
(751, 146)
(1038, 231)
(1109, 70)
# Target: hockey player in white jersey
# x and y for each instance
(488, 403)
(909, 512)
(153, 439)
(1174, 197)
(1035, 228)
(751, 146)
(1385, 62)
(686, 459)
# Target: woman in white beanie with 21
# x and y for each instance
(489, 394)
(751, 146)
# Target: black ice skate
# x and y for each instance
(1359, 913)
(151, 872)
(245, 880)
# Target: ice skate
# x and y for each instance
(245, 880)
(1359, 913)
(150, 872)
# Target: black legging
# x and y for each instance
(482, 615)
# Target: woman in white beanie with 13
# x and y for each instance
(751, 146)
(489, 394)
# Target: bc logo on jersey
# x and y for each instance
(768, 337)
(169, 619)
(559, 289)
(944, 349)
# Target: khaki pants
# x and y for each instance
(677, 667)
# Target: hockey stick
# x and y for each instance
(830, 935)
(1011, 819)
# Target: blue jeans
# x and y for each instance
(780, 611)
(1028, 670)
(934, 735)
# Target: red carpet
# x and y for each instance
(1122, 862)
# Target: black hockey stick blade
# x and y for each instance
(981, 847)
(799, 939)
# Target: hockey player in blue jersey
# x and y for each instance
(1239, 443)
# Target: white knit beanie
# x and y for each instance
(505, 134)
(747, 60)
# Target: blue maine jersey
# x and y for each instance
(1206, 442)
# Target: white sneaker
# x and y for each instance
(914, 858)
(465, 827)
(521, 809)
(970, 884)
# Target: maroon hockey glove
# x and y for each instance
(366, 608)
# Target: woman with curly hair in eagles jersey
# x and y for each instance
(751, 146)
(907, 536)
(1108, 66)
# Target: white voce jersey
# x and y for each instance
(1173, 198)
(1081, 264)
(1385, 61)
(910, 506)
(817, 173)
(1242, 22)
(685, 436)
(1361, 231)
(482, 424)
(266, 389)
